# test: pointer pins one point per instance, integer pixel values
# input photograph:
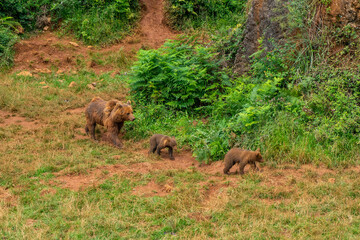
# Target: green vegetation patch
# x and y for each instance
(94, 22)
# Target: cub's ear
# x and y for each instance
(258, 150)
(128, 102)
(173, 137)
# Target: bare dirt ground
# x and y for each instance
(7, 119)
(45, 52)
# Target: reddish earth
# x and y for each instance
(151, 189)
(215, 185)
(45, 52)
(7, 119)
(7, 197)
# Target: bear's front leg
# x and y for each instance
(241, 167)
(171, 153)
(254, 167)
(158, 150)
(115, 140)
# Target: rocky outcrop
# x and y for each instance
(262, 22)
(265, 18)
(342, 12)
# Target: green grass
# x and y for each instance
(201, 204)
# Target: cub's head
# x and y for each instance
(122, 112)
(169, 142)
(258, 156)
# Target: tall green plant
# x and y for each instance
(7, 40)
(180, 75)
(196, 13)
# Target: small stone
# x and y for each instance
(46, 28)
(25, 74)
(90, 47)
(59, 71)
(44, 87)
(74, 44)
(42, 83)
(90, 86)
(72, 84)
(168, 188)
(331, 180)
(44, 70)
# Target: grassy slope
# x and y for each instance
(200, 204)
(280, 202)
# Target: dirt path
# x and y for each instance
(152, 24)
(8, 119)
(277, 177)
(45, 52)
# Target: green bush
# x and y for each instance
(196, 13)
(310, 118)
(7, 40)
(97, 22)
(183, 76)
(94, 22)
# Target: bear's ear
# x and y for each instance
(128, 102)
(117, 107)
(258, 150)
(111, 104)
(173, 137)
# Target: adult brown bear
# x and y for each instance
(111, 114)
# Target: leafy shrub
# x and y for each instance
(7, 39)
(179, 75)
(94, 22)
(196, 13)
(97, 22)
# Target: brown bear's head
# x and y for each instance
(170, 142)
(258, 156)
(122, 112)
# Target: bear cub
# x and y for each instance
(243, 157)
(159, 141)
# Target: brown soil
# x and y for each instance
(7, 119)
(7, 197)
(215, 183)
(44, 52)
(151, 189)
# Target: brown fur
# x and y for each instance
(111, 114)
(159, 141)
(243, 157)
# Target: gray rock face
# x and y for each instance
(262, 22)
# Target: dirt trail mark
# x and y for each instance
(43, 52)
(216, 181)
(7, 119)
(152, 24)
(7, 197)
